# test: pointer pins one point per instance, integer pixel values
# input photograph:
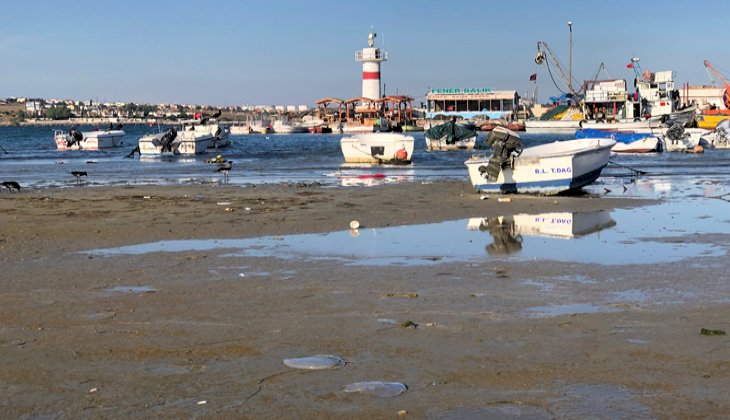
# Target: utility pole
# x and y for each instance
(570, 59)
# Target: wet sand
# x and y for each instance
(204, 333)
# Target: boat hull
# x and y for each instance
(442, 145)
(377, 148)
(186, 143)
(645, 145)
(552, 126)
(546, 169)
(709, 122)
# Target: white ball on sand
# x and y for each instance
(354, 224)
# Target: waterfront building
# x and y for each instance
(470, 103)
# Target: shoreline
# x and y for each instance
(202, 333)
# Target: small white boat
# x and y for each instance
(450, 136)
(647, 144)
(545, 169)
(644, 142)
(88, 140)
(285, 127)
(173, 142)
(677, 138)
(378, 148)
(239, 129)
(719, 137)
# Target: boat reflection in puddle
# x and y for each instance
(507, 231)
(644, 235)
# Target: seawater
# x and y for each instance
(33, 161)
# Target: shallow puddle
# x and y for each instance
(568, 309)
(647, 235)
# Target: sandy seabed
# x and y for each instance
(204, 333)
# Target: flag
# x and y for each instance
(630, 66)
(533, 77)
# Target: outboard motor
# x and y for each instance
(676, 133)
(74, 137)
(167, 139)
(505, 144)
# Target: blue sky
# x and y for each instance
(295, 52)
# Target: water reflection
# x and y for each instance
(507, 231)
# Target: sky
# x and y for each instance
(287, 52)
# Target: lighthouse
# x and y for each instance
(371, 58)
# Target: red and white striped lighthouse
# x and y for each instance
(371, 58)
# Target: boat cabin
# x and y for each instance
(471, 103)
(607, 100)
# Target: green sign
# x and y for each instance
(458, 91)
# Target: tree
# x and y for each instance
(58, 113)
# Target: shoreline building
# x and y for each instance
(470, 103)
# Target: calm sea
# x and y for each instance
(33, 161)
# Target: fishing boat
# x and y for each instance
(74, 139)
(547, 169)
(388, 148)
(450, 136)
(625, 142)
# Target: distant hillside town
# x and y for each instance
(18, 110)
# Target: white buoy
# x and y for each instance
(354, 224)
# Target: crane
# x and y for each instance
(540, 58)
(725, 84)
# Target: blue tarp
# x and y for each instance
(591, 133)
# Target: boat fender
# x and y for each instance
(401, 154)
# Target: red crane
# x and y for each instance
(725, 84)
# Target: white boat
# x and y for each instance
(285, 127)
(547, 169)
(643, 142)
(450, 136)
(719, 137)
(261, 127)
(88, 140)
(194, 137)
(239, 129)
(647, 144)
(677, 138)
(173, 142)
(377, 148)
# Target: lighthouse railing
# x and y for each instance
(371, 55)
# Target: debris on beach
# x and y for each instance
(354, 225)
(707, 331)
(407, 295)
(377, 388)
(409, 324)
(316, 362)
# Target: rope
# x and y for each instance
(633, 170)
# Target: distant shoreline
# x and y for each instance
(89, 121)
